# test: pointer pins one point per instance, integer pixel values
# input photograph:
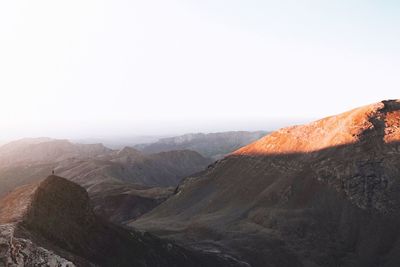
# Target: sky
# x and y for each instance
(103, 68)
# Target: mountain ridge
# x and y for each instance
(212, 145)
(288, 200)
(342, 129)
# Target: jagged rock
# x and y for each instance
(19, 252)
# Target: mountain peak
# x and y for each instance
(321, 194)
(30, 202)
(380, 120)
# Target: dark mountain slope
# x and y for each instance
(161, 169)
(118, 201)
(322, 194)
(128, 184)
(51, 223)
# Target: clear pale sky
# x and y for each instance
(89, 68)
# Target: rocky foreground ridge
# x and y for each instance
(51, 223)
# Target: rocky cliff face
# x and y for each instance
(20, 252)
(322, 194)
(21, 209)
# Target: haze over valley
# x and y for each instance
(219, 199)
(199, 133)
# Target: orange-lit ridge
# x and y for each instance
(342, 129)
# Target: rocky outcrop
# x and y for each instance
(19, 252)
(51, 223)
(322, 194)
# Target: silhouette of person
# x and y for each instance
(52, 172)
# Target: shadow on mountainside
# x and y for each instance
(338, 206)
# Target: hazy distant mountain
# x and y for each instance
(27, 160)
(112, 198)
(120, 182)
(94, 161)
(51, 223)
(322, 194)
(45, 150)
(131, 165)
(119, 142)
(212, 145)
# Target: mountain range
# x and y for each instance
(325, 193)
(211, 145)
(122, 184)
(321, 194)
